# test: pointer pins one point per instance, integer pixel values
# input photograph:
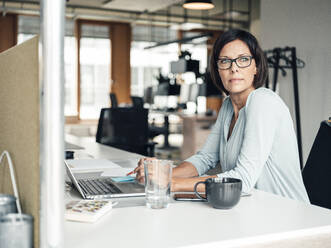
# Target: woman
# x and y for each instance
(253, 137)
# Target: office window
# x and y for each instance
(87, 85)
(135, 89)
(143, 77)
(28, 26)
(150, 74)
(70, 78)
(95, 70)
(146, 64)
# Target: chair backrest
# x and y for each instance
(317, 171)
(113, 100)
(149, 95)
(137, 102)
(124, 128)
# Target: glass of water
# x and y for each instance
(157, 182)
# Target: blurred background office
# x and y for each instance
(120, 52)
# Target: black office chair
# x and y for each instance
(113, 100)
(125, 128)
(153, 130)
(317, 171)
(137, 102)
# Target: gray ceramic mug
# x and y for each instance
(221, 193)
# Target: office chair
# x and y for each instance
(153, 130)
(317, 171)
(137, 102)
(125, 128)
(113, 100)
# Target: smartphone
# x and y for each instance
(189, 199)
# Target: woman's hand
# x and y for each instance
(139, 170)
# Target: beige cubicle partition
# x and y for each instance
(20, 125)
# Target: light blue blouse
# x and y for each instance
(262, 149)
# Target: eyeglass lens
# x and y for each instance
(242, 62)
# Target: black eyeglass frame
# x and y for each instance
(235, 60)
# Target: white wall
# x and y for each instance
(305, 24)
(255, 25)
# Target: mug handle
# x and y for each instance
(196, 192)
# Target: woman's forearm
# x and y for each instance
(187, 184)
(185, 176)
(185, 169)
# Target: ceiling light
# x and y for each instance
(198, 4)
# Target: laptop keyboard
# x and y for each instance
(98, 186)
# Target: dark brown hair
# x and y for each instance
(255, 49)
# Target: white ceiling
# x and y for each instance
(145, 12)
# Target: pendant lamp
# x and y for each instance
(198, 4)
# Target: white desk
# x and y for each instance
(95, 150)
(259, 219)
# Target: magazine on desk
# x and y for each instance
(87, 210)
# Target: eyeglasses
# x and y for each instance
(241, 62)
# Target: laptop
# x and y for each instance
(98, 187)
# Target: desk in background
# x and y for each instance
(258, 220)
(92, 149)
(196, 128)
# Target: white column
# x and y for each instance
(52, 123)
